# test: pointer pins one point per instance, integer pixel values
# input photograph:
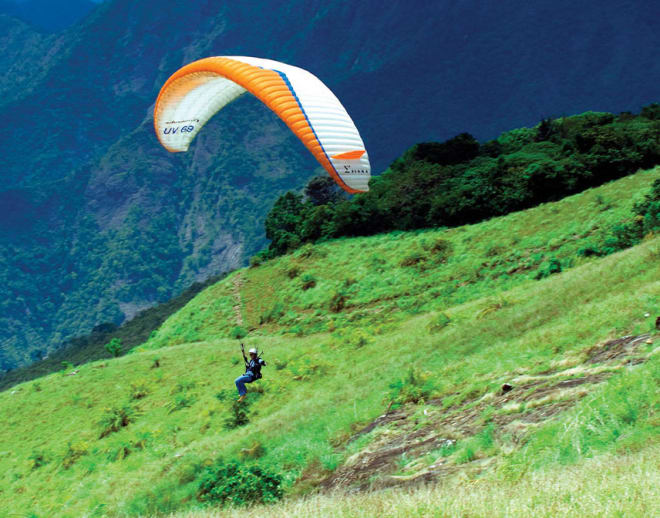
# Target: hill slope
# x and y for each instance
(609, 485)
(134, 435)
(386, 278)
(101, 217)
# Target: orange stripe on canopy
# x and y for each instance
(351, 155)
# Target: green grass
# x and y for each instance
(67, 450)
(621, 413)
(387, 278)
(605, 487)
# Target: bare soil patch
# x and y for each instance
(614, 349)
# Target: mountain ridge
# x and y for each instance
(89, 186)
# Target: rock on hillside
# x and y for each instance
(402, 437)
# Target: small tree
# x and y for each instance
(114, 347)
(322, 190)
(283, 223)
(544, 130)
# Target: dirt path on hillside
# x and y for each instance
(405, 449)
(237, 283)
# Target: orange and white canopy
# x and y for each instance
(196, 92)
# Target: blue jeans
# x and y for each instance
(241, 381)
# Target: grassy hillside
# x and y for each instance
(432, 322)
(615, 485)
(387, 278)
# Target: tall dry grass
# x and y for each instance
(606, 486)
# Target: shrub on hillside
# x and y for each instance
(438, 323)
(224, 395)
(647, 212)
(441, 249)
(256, 260)
(308, 281)
(337, 301)
(238, 414)
(73, 452)
(114, 347)
(239, 484)
(413, 259)
(124, 447)
(37, 459)
(358, 338)
(415, 387)
(645, 220)
(116, 418)
(495, 250)
(139, 389)
(238, 332)
(308, 251)
(550, 267)
(184, 385)
(293, 272)
(183, 398)
(181, 401)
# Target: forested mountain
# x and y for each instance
(48, 15)
(97, 221)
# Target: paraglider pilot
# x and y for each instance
(252, 371)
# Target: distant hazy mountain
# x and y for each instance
(98, 221)
(48, 15)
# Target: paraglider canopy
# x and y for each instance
(194, 93)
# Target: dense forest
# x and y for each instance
(461, 181)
